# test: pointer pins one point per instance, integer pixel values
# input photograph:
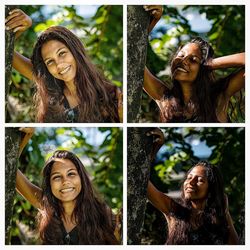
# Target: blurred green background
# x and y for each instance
(222, 26)
(183, 147)
(100, 27)
(100, 150)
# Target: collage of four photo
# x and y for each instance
(125, 124)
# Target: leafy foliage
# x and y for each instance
(100, 150)
(184, 147)
(101, 34)
(226, 35)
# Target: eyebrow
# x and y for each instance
(60, 173)
(46, 59)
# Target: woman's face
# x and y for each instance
(65, 181)
(59, 60)
(186, 64)
(196, 184)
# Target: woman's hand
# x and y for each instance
(17, 21)
(155, 12)
(158, 141)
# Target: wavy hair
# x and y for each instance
(204, 95)
(213, 216)
(97, 97)
(92, 215)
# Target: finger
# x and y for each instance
(13, 23)
(13, 15)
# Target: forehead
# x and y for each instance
(191, 48)
(62, 165)
(50, 47)
(198, 171)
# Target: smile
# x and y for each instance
(66, 190)
(182, 70)
(189, 189)
(65, 70)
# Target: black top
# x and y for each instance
(71, 114)
(70, 238)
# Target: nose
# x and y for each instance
(193, 181)
(65, 180)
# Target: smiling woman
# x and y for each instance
(194, 94)
(69, 88)
(201, 215)
(70, 211)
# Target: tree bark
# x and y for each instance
(139, 146)
(12, 142)
(9, 49)
(137, 21)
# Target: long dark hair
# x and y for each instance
(97, 97)
(204, 96)
(212, 218)
(92, 215)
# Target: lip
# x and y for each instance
(67, 190)
(189, 189)
(181, 69)
(65, 70)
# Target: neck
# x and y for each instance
(198, 204)
(68, 208)
(70, 87)
(186, 91)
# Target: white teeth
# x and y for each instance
(181, 69)
(65, 70)
(66, 190)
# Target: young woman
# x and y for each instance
(69, 88)
(196, 96)
(201, 216)
(70, 211)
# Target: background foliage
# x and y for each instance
(101, 34)
(100, 150)
(226, 35)
(182, 148)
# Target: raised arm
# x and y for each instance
(161, 201)
(152, 85)
(237, 80)
(18, 21)
(29, 191)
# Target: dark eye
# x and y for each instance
(72, 174)
(48, 63)
(62, 53)
(57, 177)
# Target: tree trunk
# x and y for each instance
(9, 49)
(138, 21)
(138, 175)
(12, 142)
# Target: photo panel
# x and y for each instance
(67, 63)
(63, 186)
(186, 186)
(186, 63)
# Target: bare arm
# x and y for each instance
(233, 238)
(237, 81)
(153, 86)
(18, 21)
(28, 190)
(23, 65)
(161, 201)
